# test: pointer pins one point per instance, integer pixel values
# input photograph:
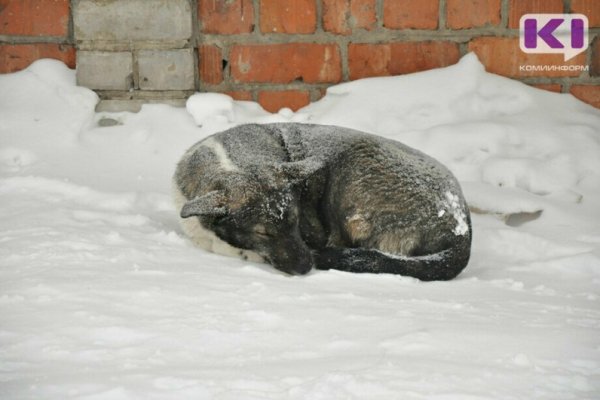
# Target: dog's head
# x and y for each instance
(258, 210)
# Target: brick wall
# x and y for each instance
(31, 29)
(280, 53)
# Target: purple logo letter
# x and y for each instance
(531, 33)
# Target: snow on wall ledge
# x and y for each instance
(102, 297)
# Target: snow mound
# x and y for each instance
(216, 110)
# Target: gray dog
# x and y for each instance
(311, 196)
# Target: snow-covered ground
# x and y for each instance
(102, 297)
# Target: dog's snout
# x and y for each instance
(292, 257)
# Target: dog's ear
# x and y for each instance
(211, 204)
(299, 171)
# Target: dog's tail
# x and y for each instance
(441, 266)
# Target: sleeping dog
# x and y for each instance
(302, 196)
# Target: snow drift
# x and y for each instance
(102, 297)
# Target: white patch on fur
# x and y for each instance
(224, 161)
(454, 207)
(205, 238)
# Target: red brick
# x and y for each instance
(298, 16)
(240, 95)
(366, 60)
(518, 8)
(210, 64)
(226, 16)
(335, 16)
(17, 57)
(284, 63)
(461, 14)
(34, 17)
(399, 58)
(341, 16)
(363, 14)
(587, 93)
(590, 8)
(275, 100)
(504, 57)
(551, 87)
(410, 14)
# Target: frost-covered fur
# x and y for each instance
(303, 196)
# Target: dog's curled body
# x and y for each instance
(303, 196)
